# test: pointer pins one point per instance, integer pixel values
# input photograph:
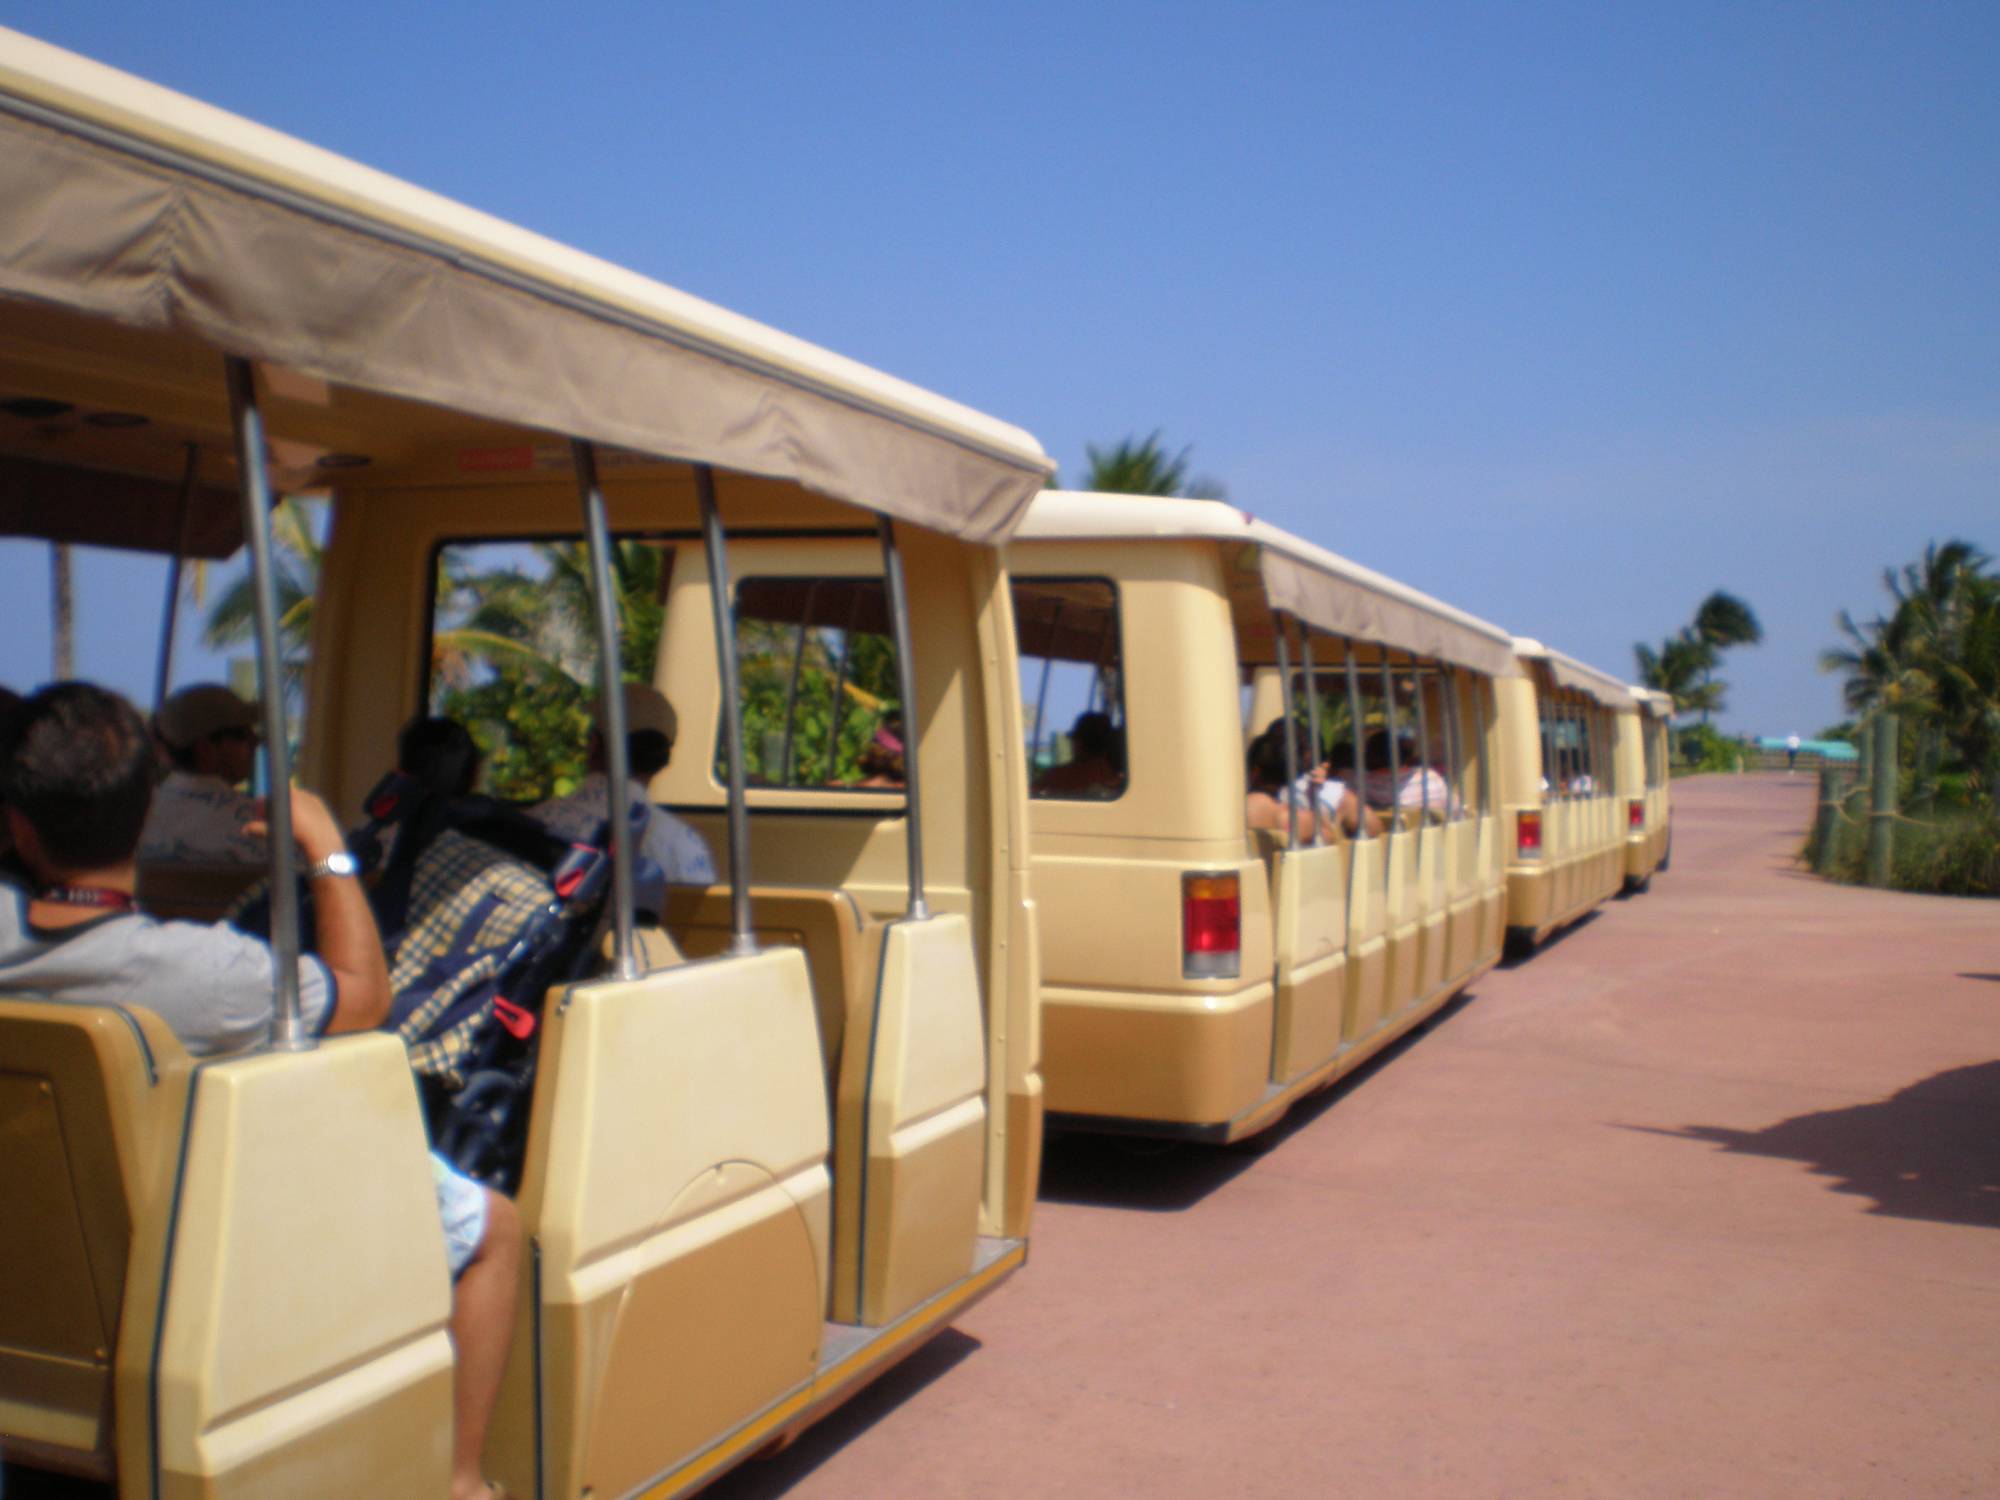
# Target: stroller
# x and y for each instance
(482, 912)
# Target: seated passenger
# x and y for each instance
(1265, 773)
(881, 759)
(1337, 800)
(671, 852)
(1414, 784)
(76, 776)
(1092, 769)
(199, 816)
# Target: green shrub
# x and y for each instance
(1954, 851)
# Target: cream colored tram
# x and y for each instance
(1645, 784)
(1561, 803)
(1198, 979)
(759, 1169)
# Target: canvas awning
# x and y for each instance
(1299, 579)
(1570, 673)
(129, 203)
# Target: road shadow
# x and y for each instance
(1554, 940)
(1930, 1151)
(1994, 978)
(1156, 1176)
(763, 1478)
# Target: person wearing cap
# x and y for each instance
(670, 852)
(200, 815)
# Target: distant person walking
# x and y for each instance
(1791, 752)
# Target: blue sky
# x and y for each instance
(1565, 313)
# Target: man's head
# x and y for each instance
(1092, 736)
(650, 727)
(210, 731)
(76, 774)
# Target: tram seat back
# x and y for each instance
(676, 1191)
(90, 1103)
(909, 1123)
(194, 893)
(827, 924)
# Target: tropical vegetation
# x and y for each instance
(1141, 466)
(1931, 662)
(1683, 666)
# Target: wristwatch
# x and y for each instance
(342, 863)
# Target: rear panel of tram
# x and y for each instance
(1641, 793)
(1197, 978)
(1562, 805)
(750, 1182)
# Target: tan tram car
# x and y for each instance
(1562, 800)
(753, 1178)
(1646, 785)
(1197, 978)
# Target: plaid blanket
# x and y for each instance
(471, 909)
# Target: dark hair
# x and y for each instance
(647, 752)
(1375, 751)
(1267, 754)
(440, 753)
(1092, 735)
(79, 766)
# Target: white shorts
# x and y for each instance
(462, 1207)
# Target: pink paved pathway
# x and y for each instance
(1703, 1200)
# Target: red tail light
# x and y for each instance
(1211, 926)
(1636, 815)
(1528, 835)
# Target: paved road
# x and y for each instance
(1703, 1200)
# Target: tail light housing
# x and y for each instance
(1528, 834)
(1635, 815)
(1211, 925)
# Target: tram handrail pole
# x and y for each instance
(611, 709)
(288, 1028)
(163, 672)
(792, 687)
(1042, 689)
(722, 607)
(1395, 760)
(1312, 713)
(906, 685)
(1423, 760)
(1354, 719)
(1291, 742)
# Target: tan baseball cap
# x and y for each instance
(646, 707)
(197, 712)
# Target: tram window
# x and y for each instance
(820, 697)
(513, 655)
(1651, 736)
(1073, 679)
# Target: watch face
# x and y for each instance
(339, 864)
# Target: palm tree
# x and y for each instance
(1722, 621)
(1680, 669)
(1135, 467)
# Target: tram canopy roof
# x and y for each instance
(1659, 705)
(1571, 673)
(1298, 578)
(141, 220)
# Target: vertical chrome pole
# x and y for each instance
(906, 680)
(1395, 760)
(1312, 713)
(722, 605)
(288, 1029)
(1479, 689)
(1454, 741)
(1291, 742)
(1423, 758)
(611, 710)
(1358, 726)
(163, 673)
